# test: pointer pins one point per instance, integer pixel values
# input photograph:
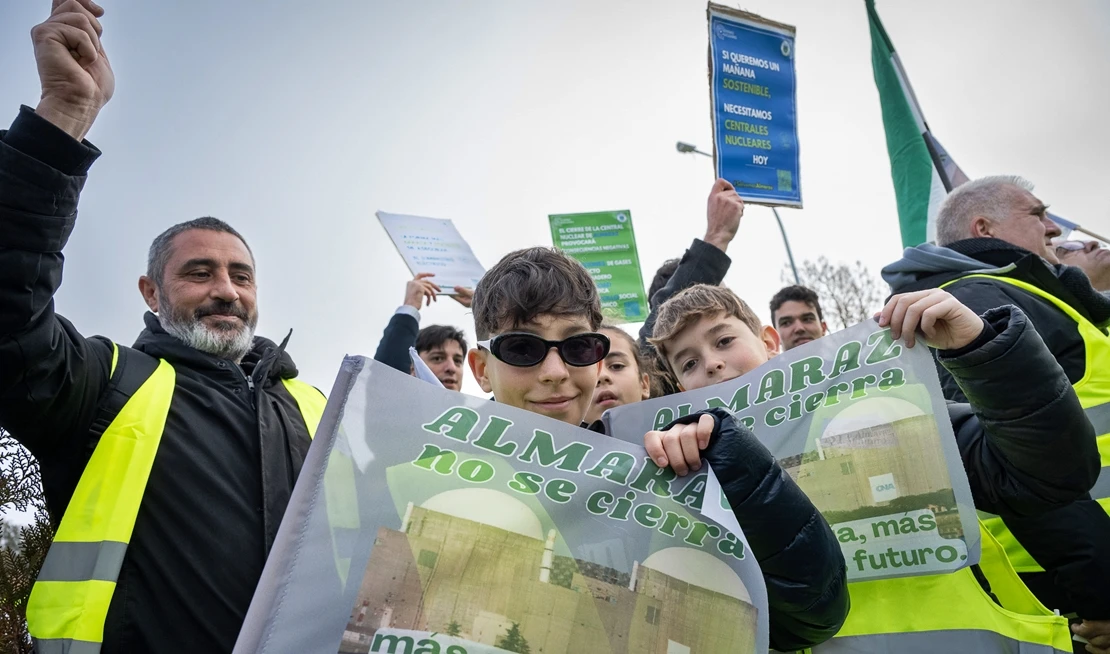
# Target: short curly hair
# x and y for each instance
(533, 282)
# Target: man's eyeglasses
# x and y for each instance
(1063, 247)
(523, 350)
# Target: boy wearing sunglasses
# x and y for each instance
(537, 315)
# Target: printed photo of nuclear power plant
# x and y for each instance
(879, 456)
(475, 565)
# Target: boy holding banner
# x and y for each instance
(537, 313)
(707, 335)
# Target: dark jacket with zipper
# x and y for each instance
(230, 452)
(1072, 541)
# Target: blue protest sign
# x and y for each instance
(753, 92)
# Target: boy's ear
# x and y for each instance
(824, 328)
(771, 341)
(477, 360)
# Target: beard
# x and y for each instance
(227, 339)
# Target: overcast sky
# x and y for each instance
(295, 122)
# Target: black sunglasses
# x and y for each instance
(523, 350)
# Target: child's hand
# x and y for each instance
(680, 446)
(946, 323)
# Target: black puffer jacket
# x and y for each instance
(230, 452)
(807, 580)
(1072, 542)
(1025, 442)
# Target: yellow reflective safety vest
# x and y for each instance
(70, 599)
(950, 612)
(1093, 390)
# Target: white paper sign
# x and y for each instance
(433, 245)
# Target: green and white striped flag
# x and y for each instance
(923, 172)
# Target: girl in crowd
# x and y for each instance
(624, 375)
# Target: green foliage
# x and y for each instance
(453, 629)
(22, 548)
(849, 294)
(21, 482)
(513, 641)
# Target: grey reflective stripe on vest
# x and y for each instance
(65, 646)
(69, 561)
(1101, 488)
(1100, 418)
(931, 642)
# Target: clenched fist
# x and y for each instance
(76, 78)
(723, 212)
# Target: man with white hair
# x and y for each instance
(993, 249)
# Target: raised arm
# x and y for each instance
(705, 262)
(50, 376)
(400, 334)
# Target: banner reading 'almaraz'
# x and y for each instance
(426, 520)
(859, 421)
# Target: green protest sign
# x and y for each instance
(859, 421)
(425, 520)
(605, 244)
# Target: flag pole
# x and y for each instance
(1090, 233)
(786, 242)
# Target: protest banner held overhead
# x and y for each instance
(859, 422)
(753, 95)
(459, 525)
(605, 244)
(433, 245)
